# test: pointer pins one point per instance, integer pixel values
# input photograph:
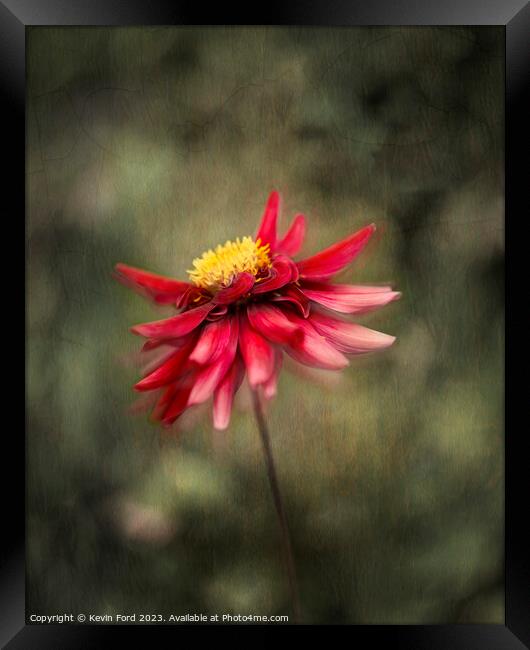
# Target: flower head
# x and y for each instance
(247, 304)
(217, 269)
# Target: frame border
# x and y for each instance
(15, 16)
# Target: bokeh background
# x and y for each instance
(149, 145)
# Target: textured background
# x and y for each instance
(150, 145)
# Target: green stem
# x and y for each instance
(287, 551)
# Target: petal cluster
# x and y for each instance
(243, 326)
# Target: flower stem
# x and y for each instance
(278, 503)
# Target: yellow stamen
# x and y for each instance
(216, 269)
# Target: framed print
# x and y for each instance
(265, 323)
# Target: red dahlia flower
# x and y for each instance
(247, 304)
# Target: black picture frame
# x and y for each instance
(15, 17)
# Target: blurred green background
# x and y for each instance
(149, 145)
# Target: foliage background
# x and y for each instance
(149, 145)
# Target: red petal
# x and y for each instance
(164, 402)
(152, 344)
(159, 355)
(293, 295)
(217, 312)
(239, 287)
(272, 323)
(313, 349)
(267, 229)
(257, 353)
(349, 298)
(336, 257)
(213, 340)
(294, 237)
(158, 287)
(269, 387)
(144, 403)
(193, 296)
(169, 370)
(351, 338)
(283, 271)
(224, 395)
(179, 400)
(209, 377)
(176, 326)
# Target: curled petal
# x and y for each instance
(209, 377)
(294, 237)
(212, 341)
(333, 259)
(350, 338)
(257, 353)
(193, 296)
(292, 294)
(267, 229)
(272, 323)
(217, 313)
(283, 271)
(157, 287)
(176, 326)
(241, 285)
(312, 349)
(349, 298)
(269, 387)
(224, 394)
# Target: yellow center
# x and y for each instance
(216, 269)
